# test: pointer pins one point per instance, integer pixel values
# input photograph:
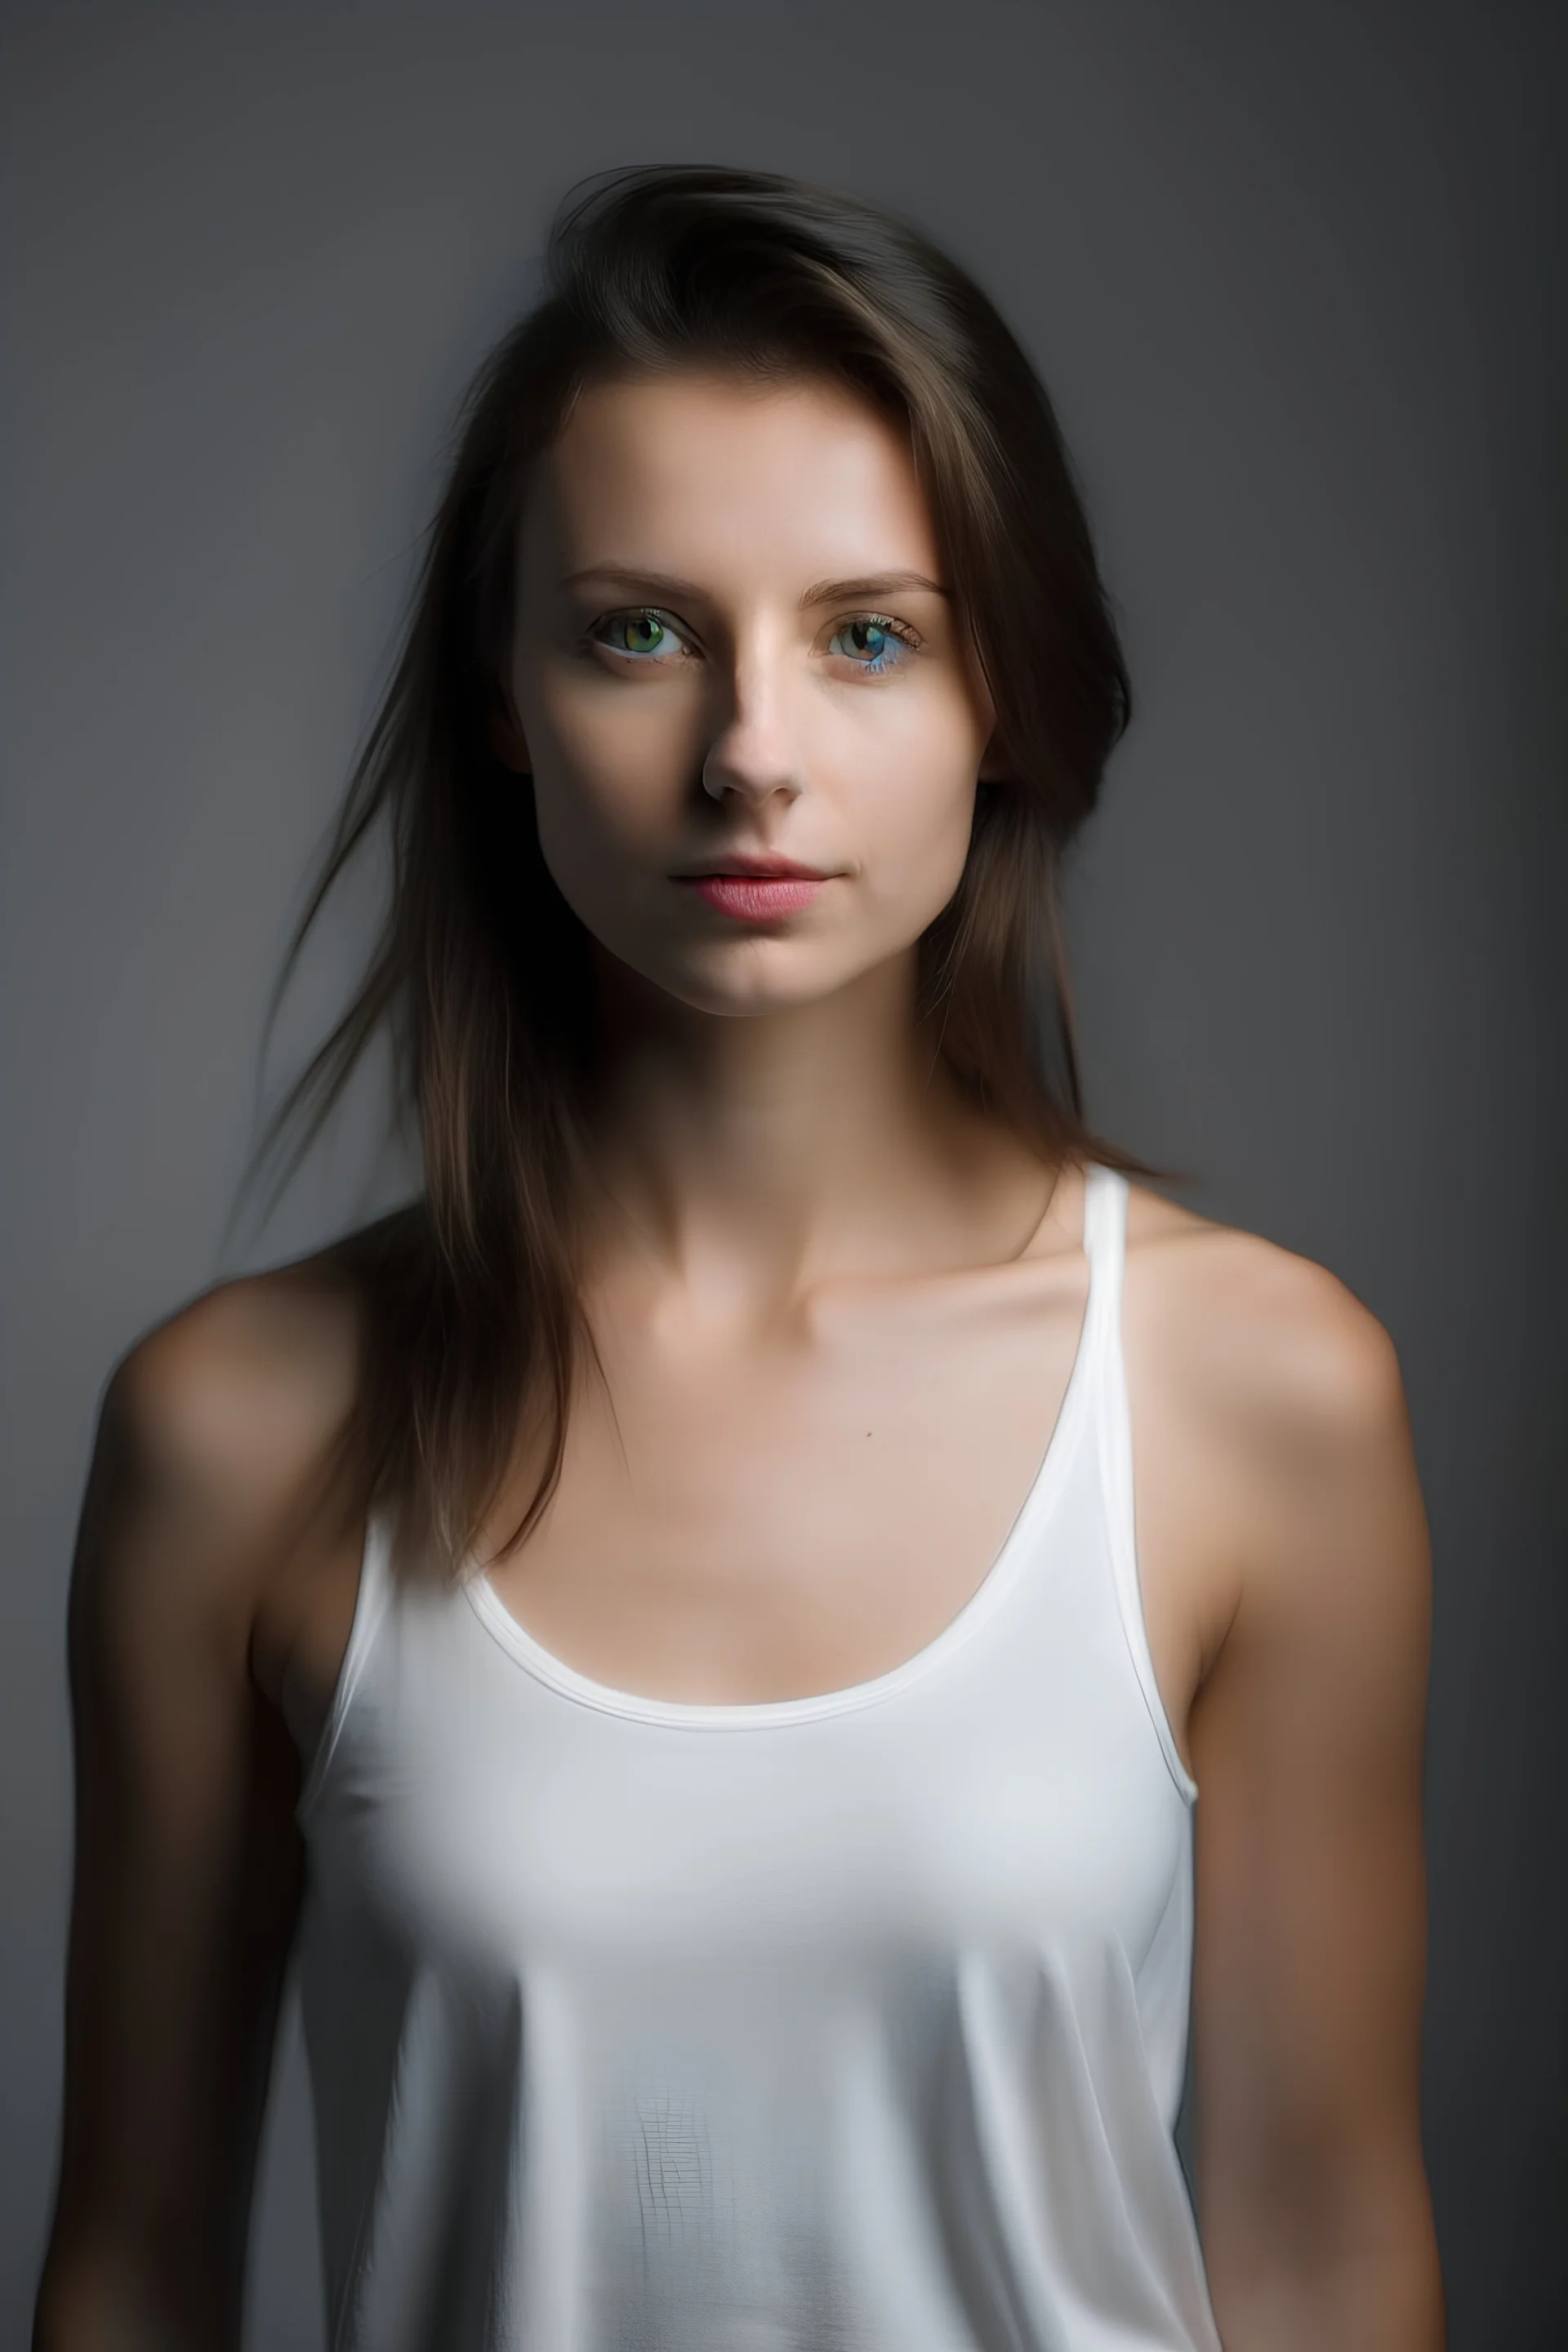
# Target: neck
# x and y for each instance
(752, 1156)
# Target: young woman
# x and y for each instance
(706, 1630)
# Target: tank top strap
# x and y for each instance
(1105, 1244)
(376, 1594)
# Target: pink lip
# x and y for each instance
(755, 898)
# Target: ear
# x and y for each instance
(507, 738)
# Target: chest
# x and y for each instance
(1002, 1791)
(750, 1526)
(797, 1514)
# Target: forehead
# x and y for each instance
(710, 475)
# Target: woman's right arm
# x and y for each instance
(188, 1866)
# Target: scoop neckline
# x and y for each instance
(738, 1714)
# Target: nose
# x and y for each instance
(754, 754)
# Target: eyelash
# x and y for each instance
(899, 631)
(628, 613)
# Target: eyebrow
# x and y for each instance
(823, 591)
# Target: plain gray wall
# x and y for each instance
(1291, 272)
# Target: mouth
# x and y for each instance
(754, 889)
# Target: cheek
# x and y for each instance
(612, 763)
(914, 796)
(611, 773)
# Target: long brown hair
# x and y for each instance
(473, 1331)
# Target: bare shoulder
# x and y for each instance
(1273, 1458)
(242, 1388)
(219, 1469)
(1269, 1347)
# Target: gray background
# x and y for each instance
(1292, 271)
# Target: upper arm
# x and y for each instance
(187, 1863)
(1308, 1748)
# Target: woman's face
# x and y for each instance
(741, 688)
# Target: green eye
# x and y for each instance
(644, 635)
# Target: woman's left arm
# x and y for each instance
(1307, 1742)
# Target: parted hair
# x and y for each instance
(473, 1336)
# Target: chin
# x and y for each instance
(753, 978)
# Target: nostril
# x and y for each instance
(720, 779)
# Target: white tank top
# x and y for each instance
(849, 2024)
